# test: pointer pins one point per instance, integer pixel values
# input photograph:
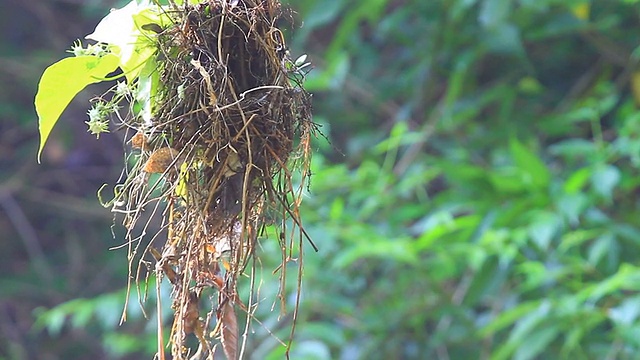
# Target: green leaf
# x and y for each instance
(535, 274)
(337, 209)
(627, 312)
(55, 321)
(509, 180)
(627, 278)
(536, 342)
(508, 317)
(311, 349)
(600, 248)
(455, 87)
(398, 250)
(61, 82)
(576, 238)
(523, 330)
(572, 206)
(504, 38)
(485, 280)
(573, 148)
(543, 227)
(604, 180)
(120, 344)
(331, 77)
(577, 180)
(494, 12)
(534, 170)
(322, 13)
(82, 313)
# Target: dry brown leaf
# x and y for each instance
(161, 159)
(139, 141)
(227, 316)
(191, 318)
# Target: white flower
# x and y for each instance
(95, 114)
(122, 89)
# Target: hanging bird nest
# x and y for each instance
(229, 123)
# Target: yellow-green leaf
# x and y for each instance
(582, 11)
(635, 86)
(61, 82)
(182, 189)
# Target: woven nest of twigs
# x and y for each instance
(230, 123)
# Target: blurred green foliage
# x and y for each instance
(477, 197)
(485, 206)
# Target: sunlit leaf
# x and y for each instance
(182, 188)
(55, 322)
(118, 29)
(577, 180)
(123, 30)
(61, 82)
(581, 11)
